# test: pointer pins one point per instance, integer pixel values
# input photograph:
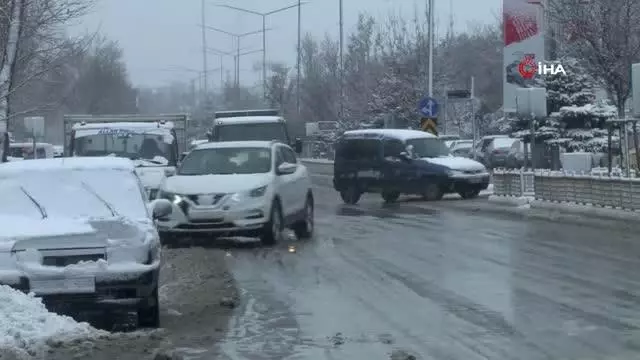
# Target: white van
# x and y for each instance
(24, 151)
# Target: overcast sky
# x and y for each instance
(158, 35)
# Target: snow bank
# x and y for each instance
(26, 326)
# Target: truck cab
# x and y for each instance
(152, 143)
(248, 125)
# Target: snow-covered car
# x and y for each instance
(79, 233)
(243, 188)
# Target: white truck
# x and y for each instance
(249, 125)
(153, 142)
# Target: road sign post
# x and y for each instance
(428, 108)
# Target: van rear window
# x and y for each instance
(358, 149)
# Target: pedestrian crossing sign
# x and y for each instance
(429, 125)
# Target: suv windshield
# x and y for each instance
(247, 132)
(136, 146)
(223, 161)
(428, 148)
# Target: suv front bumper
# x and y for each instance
(241, 219)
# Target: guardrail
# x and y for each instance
(561, 187)
(513, 183)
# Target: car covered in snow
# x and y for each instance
(239, 188)
(394, 162)
(80, 234)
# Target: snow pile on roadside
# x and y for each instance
(26, 326)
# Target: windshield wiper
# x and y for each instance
(102, 200)
(41, 208)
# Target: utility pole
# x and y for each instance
(341, 15)
(205, 87)
(431, 39)
(264, 35)
(299, 60)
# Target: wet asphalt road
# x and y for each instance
(439, 284)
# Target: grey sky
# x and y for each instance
(160, 34)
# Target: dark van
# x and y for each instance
(394, 162)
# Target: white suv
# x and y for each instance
(239, 188)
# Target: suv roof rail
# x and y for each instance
(239, 113)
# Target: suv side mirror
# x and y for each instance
(160, 208)
(297, 146)
(287, 168)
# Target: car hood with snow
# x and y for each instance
(208, 184)
(95, 223)
(456, 163)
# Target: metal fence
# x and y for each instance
(513, 183)
(555, 186)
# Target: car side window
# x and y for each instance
(393, 148)
(289, 155)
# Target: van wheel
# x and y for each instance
(469, 193)
(390, 196)
(350, 196)
(433, 192)
(272, 229)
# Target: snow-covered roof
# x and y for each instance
(139, 126)
(235, 144)
(30, 144)
(71, 163)
(494, 136)
(249, 120)
(400, 134)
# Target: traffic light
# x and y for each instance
(429, 125)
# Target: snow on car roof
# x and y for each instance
(503, 142)
(235, 144)
(125, 125)
(71, 163)
(249, 120)
(30, 144)
(400, 134)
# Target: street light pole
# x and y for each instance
(299, 60)
(264, 35)
(341, 118)
(204, 48)
(431, 39)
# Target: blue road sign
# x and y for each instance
(428, 107)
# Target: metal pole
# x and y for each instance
(473, 117)
(444, 110)
(264, 58)
(221, 72)
(431, 39)
(238, 62)
(626, 149)
(204, 50)
(299, 57)
(341, 62)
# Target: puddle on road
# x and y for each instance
(386, 211)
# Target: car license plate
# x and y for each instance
(70, 285)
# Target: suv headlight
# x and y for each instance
(174, 198)
(253, 193)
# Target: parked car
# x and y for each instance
(449, 140)
(239, 188)
(392, 162)
(80, 234)
(480, 152)
(516, 156)
(497, 151)
(24, 151)
(462, 148)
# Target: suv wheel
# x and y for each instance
(272, 229)
(432, 192)
(351, 195)
(304, 228)
(149, 315)
(390, 196)
(469, 193)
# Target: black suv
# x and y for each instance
(394, 162)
